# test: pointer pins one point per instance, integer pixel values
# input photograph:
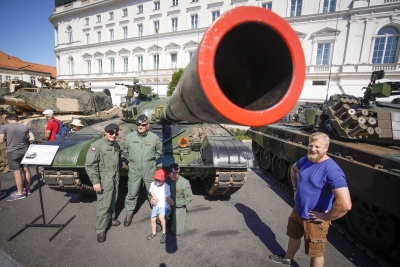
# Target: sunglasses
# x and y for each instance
(142, 125)
(113, 133)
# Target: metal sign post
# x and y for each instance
(41, 154)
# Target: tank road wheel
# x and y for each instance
(373, 226)
(288, 176)
(279, 168)
(265, 160)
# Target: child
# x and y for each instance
(160, 190)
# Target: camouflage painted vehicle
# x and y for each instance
(226, 82)
(29, 103)
(365, 142)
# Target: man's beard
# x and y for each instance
(314, 157)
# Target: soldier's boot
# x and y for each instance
(6, 169)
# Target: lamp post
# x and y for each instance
(157, 58)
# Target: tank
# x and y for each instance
(68, 104)
(228, 81)
(365, 142)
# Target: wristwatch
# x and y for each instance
(294, 188)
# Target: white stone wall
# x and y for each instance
(351, 29)
(22, 75)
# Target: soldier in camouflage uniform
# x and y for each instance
(3, 154)
(102, 167)
(142, 148)
(181, 195)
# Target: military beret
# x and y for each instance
(111, 127)
(174, 167)
(141, 118)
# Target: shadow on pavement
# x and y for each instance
(260, 229)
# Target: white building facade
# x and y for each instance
(108, 42)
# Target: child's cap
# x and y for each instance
(160, 175)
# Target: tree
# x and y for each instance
(176, 76)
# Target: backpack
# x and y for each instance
(62, 130)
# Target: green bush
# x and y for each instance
(176, 76)
(239, 133)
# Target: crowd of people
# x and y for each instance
(317, 181)
(15, 138)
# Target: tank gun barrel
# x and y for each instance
(249, 69)
(12, 101)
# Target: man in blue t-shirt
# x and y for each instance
(316, 179)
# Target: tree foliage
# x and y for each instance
(176, 76)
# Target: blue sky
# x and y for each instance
(26, 31)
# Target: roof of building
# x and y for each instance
(14, 63)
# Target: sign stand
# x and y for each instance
(47, 153)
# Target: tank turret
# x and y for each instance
(67, 104)
(249, 69)
(359, 118)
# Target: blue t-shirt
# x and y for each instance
(316, 182)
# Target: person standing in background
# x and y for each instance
(51, 125)
(17, 136)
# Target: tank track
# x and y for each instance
(67, 181)
(227, 182)
(335, 224)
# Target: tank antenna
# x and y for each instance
(333, 50)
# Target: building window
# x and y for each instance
(125, 12)
(8, 78)
(112, 65)
(267, 5)
(1, 78)
(215, 15)
(156, 62)
(69, 32)
(71, 66)
(174, 2)
(98, 18)
(329, 6)
(111, 34)
(195, 0)
(295, 8)
(98, 37)
(87, 38)
(100, 63)
(156, 27)
(191, 55)
(86, 21)
(194, 20)
(173, 61)
(15, 78)
(125, 64)
(157, 5)
(140, 29)
(33, 80)
(174, 24)
(89, 67)
(111, 15)
(323, 53)
(140, 63)
(385, 46)
(125, 29)
(140, 8)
